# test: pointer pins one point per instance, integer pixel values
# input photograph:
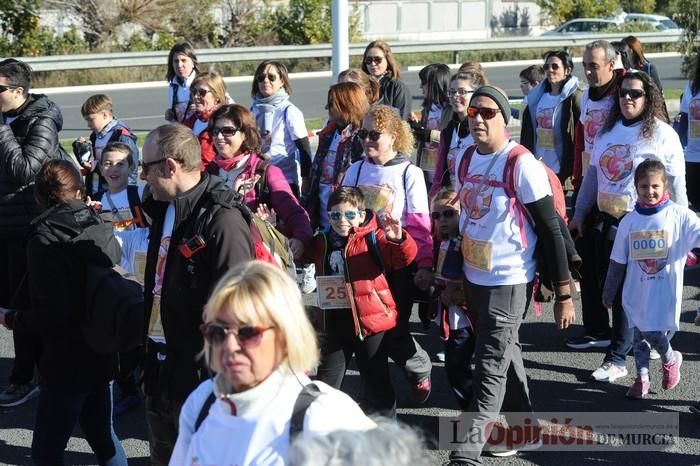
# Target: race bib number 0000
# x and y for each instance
(649, 245)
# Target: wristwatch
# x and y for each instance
(562, 297)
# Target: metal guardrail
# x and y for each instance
(287, 52)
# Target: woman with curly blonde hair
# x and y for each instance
(392, 184)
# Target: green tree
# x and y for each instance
(560, 11)
(308, 22)
(638, 6)
(687, 15)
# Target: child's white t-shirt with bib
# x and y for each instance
(492, 238)
(616, 155)
(655, 248)
(116, 209)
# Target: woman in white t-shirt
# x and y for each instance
(690, 125)
(634, 131)
(455, 138)
(437, 113)
(649, 254)
(261, 345)
(182, 68)
(553, 108)
(281, 124)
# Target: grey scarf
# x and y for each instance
(266, 108)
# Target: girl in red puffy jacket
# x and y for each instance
(357, 307)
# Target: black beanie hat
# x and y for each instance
(497, 96)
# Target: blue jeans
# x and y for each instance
(56, 416)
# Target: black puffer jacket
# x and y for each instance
(65, 237)
(25, 144)
(188, 283)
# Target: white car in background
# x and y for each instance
(584, 26)
(660, 23)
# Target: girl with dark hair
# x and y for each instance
(263, 186)
(639, 62)
(338, 147)
(285, 139)
(182, 68)
(690, 131)
(437, 113)
(378, 61)
(553, 108)
(75, 380)
(455, 138)
(634, 131)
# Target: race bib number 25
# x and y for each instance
(332, 292)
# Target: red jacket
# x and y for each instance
(371, 301)
(205, 140)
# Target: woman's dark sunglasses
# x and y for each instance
(199, 91)
(271, 77)
(633, 93)
(553, 66)
(375, 60)
(373, 135)
(248, 336)
(485, 112)
(227, 131)
(447, 213)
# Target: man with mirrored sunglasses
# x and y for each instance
(29, 127)
(498, 245)
(196, 236)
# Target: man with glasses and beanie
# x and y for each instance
(29, 127)
(197, 234)
(498, 245)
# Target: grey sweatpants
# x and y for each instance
(500, 383)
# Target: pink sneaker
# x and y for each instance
(421, 391)
(639, 389)
(672, 371)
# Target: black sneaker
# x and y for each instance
(695, 409)
(586, 342)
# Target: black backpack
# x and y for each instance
(307, 395)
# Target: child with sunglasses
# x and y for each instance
(357, 306)
(455, 324)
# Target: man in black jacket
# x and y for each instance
(29, 126)
(191, 246)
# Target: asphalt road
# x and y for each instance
(142, 109)
(559, 382)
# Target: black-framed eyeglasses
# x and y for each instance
(460, 92)
(336, 215)
(198, 91)
(226, 131)
(447, 213)
(633, 94)
(146, 165)
(373, 135)
(553, 66)
(373, 60)
(485, 112)
(248, 336)
(4, 88)
(261, 77)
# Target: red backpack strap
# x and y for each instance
(464, 163)
(509, 188)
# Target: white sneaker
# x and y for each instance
(609, 372)
(653, 354)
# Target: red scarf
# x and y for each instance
(230, 164)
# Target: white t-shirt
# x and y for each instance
(383, 187)
(690, 104)
(545, 148)
(134, 245)
(655, 248)
(492, 245)
(257, 432)
(116, 209)
(430, 148)
(593, 116)
(617, 153)
(287, 126)
(454, 154)
(325, 184)
(155, 326)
